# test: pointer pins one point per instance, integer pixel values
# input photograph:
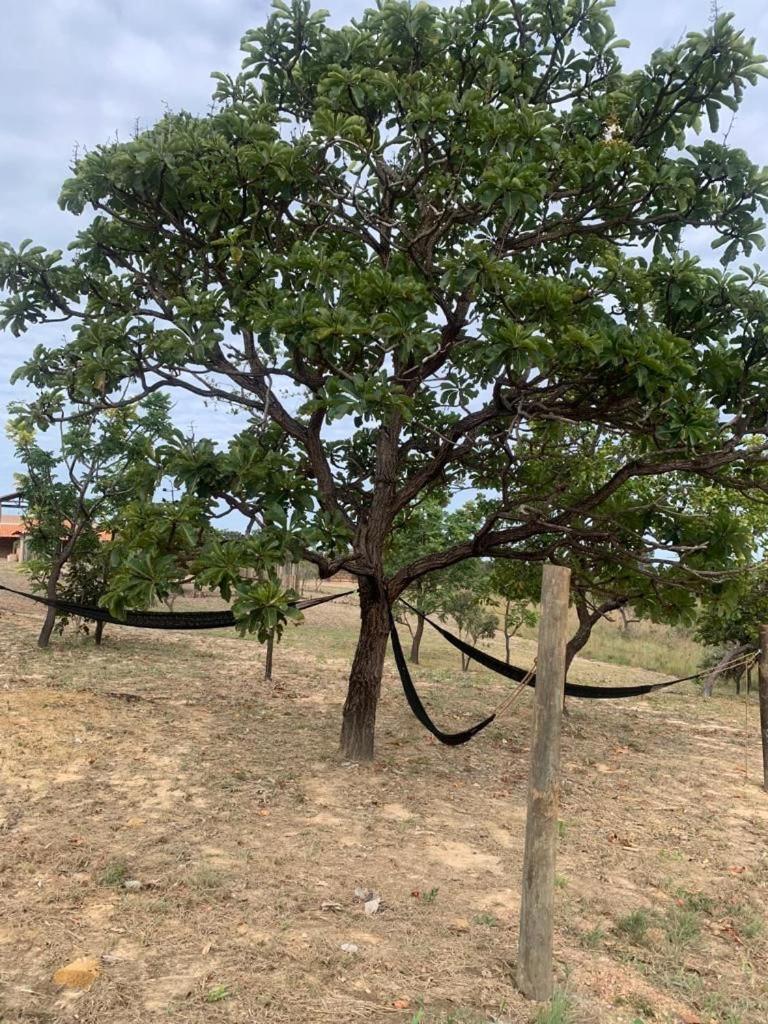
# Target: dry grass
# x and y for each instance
(666, 649)
(165, 759)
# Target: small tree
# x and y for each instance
(430, 526)
(474, 619)
(468, 605)
(730, 623)
(74, 495)
(517, 588)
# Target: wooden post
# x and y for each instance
(534, 962)
(762, 685)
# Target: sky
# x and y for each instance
(76, 73)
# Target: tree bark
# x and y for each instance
(507, 634)
(762, 682)
(45, 633)
(99, 633)
(416, 641)
(708, 686)
(50, 618)
(359, 718)
(268, 658)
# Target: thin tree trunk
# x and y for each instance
(268, 657)
(45, 633)
(507, 637)
(50, 618)
(99, 633)
(359, 718)
(416, 642)
(708, 685)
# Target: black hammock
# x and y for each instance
(158, 620)
(519, 675)
(226, 619)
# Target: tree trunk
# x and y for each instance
(359, 719)
(268, 658)
(416, 642)
(99, 633)
(507, 634)
(708, 686)
(45, 633)
(50, 618)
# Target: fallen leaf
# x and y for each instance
(401, 1004)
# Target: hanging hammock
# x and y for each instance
(159, 620)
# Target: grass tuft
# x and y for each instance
(115, 873)
(635, 926)
(559, 1010)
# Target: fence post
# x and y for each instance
(534, 962)
(762, 685)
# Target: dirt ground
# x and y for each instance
(164, 759)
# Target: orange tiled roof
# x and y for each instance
(12, 529)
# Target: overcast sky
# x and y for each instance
(75, 72)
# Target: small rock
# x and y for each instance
(372, 905)
(80, 973)
(349, 947)
(132, 884)
(459, 924)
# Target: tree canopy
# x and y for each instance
(434, 248)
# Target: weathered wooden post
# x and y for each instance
(762, 685)
(534, 962)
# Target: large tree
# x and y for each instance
(419, 251)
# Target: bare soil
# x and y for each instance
(164, 759)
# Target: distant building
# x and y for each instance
(13, 532)
(13, 540)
